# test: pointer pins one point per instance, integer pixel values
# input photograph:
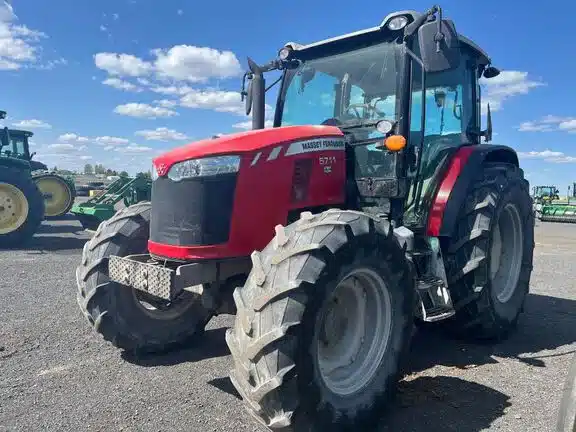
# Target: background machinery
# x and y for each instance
(59, 192)
(21, 202)
(129, 190)
(370, 205)
(550, 208)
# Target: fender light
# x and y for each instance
(205, 167)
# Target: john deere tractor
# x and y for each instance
(59, 192)
(371, 204)
(21, 202)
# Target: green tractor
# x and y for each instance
(21, 202)
(552, 209)
(59, 192)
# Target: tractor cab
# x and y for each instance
(405, 94)
(545, 193)
(18, 146)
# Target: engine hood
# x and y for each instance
(242, 142)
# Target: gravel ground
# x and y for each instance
(58, 375)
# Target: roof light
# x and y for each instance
(398, 23)
(284, 53)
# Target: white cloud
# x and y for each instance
(506, 85)
(217, 100)
(181, 63)
(548, 156)
(66, 147)
(102, 140)
(172, 90)
(248, 124)
(18, 43)
(119, 84)
(161, 134)
(32, 124)
(540, 155)
(85, 157)
(122, 64)
(549, 123)
(115, 16)
(110, 140)
(166, 103)
(72, 137)
(180, 12)
(103, 28)
(143, 110)
(133, 148)
(196, 64)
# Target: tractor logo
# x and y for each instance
(161, 168)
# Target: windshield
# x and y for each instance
(350, 87)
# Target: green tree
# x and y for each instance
(124, 174)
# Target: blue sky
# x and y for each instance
(117, 81)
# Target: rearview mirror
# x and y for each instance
(249, 98)
(439, 50)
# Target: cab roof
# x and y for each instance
(481, 55)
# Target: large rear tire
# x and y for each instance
(489, 258)
(59, 194)
(122, 315)
(21, 207)
(323, 323)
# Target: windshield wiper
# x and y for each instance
(359, 124)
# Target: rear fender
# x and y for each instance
(462, 170)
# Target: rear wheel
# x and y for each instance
(323, 323)
(58, 194)
(21, 207)
(489, 259)
(124, 316)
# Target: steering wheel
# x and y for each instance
(365, 106)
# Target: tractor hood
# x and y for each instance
(240, 143)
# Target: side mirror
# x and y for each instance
(491, 72)
(248, 94)
(439, 46)
(487, 134)
(32, 155)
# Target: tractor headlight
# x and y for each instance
(398, 23)
(204, 167)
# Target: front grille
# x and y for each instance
(192, 212)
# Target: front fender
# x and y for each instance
(454, 186)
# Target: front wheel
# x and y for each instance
(323, 323)
(124, 316)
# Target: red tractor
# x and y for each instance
(370, 205)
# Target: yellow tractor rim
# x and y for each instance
(56, 194)
(13, 208)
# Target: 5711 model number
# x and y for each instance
(327, 160)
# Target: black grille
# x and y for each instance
(192, 212)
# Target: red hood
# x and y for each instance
(241, 142)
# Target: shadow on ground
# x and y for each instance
(212, 344)
(444, 403)
(547, 323)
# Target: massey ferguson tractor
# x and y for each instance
(371, 205)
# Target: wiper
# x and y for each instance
(360, 124)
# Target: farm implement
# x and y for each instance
(550, 208)
(102, 206)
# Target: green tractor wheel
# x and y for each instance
(21, 207)
(59, 194)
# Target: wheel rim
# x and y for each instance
(506, 253)
(163, 310)
(354, 332)
(56, 194)
(13, 208)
